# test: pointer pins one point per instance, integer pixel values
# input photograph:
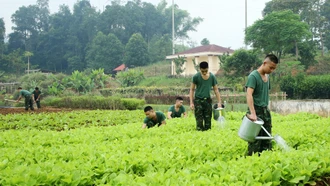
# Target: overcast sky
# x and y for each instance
(224, 20)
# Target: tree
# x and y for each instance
(270, 36)
(240, 63)
(183, 22)
(159, 47)
(179, 62)
(2, 36)
(136, 51)
(130, 77)
(310, 11)
(325, 11)
(105, 52)
(280, 5)
(205, 41)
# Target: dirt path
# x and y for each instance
(12, 110)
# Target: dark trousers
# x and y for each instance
(38, 104)
(261, 145)
(28, 103)
(203, 113)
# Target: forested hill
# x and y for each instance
(136, 33)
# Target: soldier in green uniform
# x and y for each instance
(29, 99)
(257, 97)
(176, 110)
(37, 94)
(200, 99)
(153, 118)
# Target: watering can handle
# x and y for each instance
(266, 131)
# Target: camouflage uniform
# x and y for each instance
(203, 112)
(260, 99)
(36, 95)
(260, 145)
(28, 99)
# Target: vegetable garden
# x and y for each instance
(109, 147)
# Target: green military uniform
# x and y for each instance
(260, 99)
(203, 101)
(176, 114)
(151, 123)
(36, 95)
(28, 99)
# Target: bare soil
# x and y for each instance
(14, 110)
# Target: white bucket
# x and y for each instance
(249, 129)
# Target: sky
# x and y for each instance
(223, 24)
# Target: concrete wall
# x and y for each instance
(320, 107)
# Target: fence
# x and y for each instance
(230, 98)
(9, 88)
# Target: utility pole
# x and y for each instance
(173, 50)
(245, 20)
(28, 65)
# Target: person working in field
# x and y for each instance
(177, 110)
(200, 99)
(37, 94)
(257, 98)
(153, 118)
(29, 99)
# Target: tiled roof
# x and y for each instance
(207, 48)
(120, 68)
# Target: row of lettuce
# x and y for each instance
(109, 147)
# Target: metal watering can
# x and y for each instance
(249, 131)
(218, 112)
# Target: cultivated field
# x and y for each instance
(109, 147)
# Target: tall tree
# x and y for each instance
(83, 30)
(136, 51)
(240, 63)
(183, 22)
(310, 12)
(325, 11)
(205, 41)
(25, 24)
(2, 36)
(105, 52)
(269, 34)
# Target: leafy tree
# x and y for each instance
(240, 63)
(82, 31)
(57, 43)
(179, 62)
(105, 52)
(312, 15)
(307, 53)
(13, 62)
(25, 25)
(98, 77)
(159, 47)
(112, 20)
(222, 58)
(80, 82)
(152, 18)
(136, 51)
(325, 11)
(183, 22)
(311, 11)
(205, 41)
(130, 77)
(279, 5)
(267, 35)
(2, 36)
